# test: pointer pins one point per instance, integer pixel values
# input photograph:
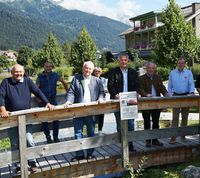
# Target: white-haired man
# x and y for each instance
(84, 88)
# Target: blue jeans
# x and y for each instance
(45, 125)
(118, 122)
(14, 140)
(78, 131)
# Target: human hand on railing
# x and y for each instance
(67, 104)
(50, 106)
(117, 96)
(4, 112)
(149, 95)
(131, 102)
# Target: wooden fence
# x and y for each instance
(37, 115)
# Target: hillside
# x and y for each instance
(29, 22)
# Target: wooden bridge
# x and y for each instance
(111, 153)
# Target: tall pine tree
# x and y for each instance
(50, 52)
(84, 49)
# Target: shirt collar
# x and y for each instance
(15, 81)
(124, 70)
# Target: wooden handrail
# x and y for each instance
(37, 115)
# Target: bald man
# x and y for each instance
(15, 95)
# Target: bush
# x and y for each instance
(64, 72)
(163, 72)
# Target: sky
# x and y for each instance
(120, 10)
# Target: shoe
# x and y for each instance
(157, 143)
(131, 148)
(100, 133)
(89, 156)
(17, 172)
(173, 140)
(33, 168)
(77, 158)
(56, 140)
(49, 140)
(148, 143)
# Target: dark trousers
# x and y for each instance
(147, 115)
(45, 125)
(100, 121)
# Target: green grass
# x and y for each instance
(4, 143)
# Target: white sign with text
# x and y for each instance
(128, 105)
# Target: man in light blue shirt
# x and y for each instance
(180, 83)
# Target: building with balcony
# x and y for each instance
(142, 35)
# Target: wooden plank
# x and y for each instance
(124, 143)
(98, 155)
(162, 133)
(110, 151)
(76, 110)
(147, 103)
(68, 157)
(144, 148)
(103, 152)
(23, 145)
(43, 164)
(35, 115)
(5, 172)
(115, 148)
(72, 145)
(52, 162)
(61, 160)
(8, 157)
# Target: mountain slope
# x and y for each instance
(29, 22)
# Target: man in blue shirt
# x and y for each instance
(47, 83)
(180, 83)
(15, 94)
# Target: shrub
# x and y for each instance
(65, 72)
(163, 72)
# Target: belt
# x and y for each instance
(179, 94)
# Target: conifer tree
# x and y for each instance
(84, 49)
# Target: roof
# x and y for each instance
(129, 30)
(139, 17)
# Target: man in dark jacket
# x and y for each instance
(150, 85)
(122, 79)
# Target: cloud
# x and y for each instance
(122, 10)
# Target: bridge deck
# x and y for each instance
(107, 159)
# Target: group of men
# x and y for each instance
(15, 94)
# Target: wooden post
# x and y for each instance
(124, 143)
(23, 145)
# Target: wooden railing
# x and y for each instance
(37, 115)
